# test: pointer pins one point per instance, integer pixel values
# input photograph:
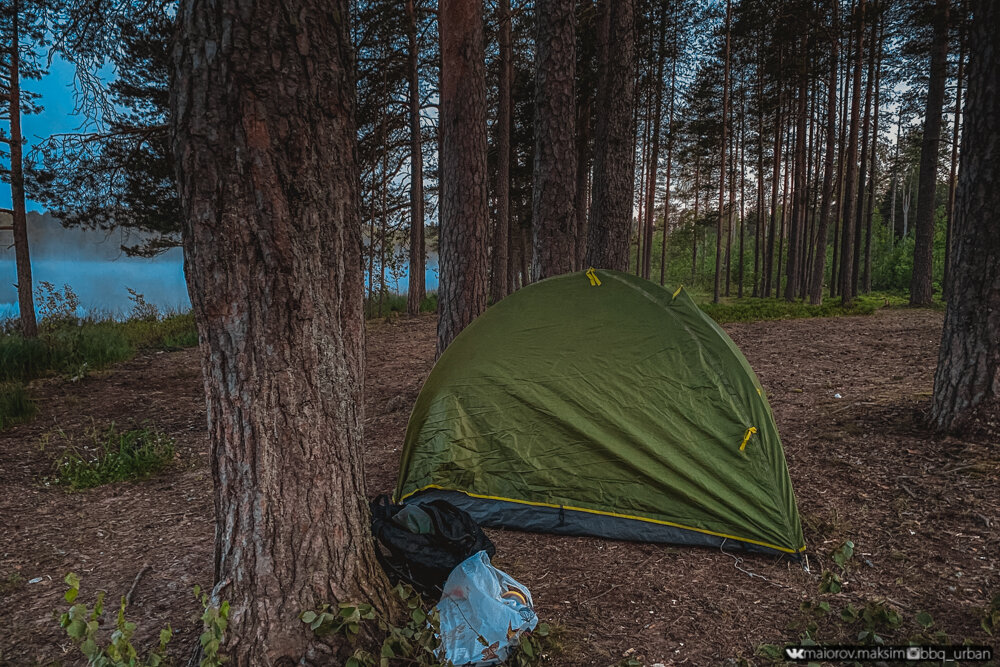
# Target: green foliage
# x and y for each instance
(214, 620)
(831, 582)
(15, 404)
(877, 617)
(82, 624)
(417, 640)
(753, 310)
(111, 455)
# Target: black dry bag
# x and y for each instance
(421, 543)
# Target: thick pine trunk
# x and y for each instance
(500, 260)
(417, 289)
(554, 191)
(968, 372)
(462, 292)
(866, 270)
(19, 220)
(582, 174)
(614, 178)
(819, 264)
(263, 127)
(851, 170)
(921, 284)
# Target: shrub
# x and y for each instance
(113, 456)
(15, 404)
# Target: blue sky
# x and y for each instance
(56, 89)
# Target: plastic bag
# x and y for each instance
(483, 613)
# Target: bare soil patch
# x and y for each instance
(923, 511)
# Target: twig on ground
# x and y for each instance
(128, 596)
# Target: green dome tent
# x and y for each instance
(601, 404)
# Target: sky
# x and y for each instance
(56, 89)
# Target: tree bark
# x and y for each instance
(19, 217)
(953, 174)
(921, 284)
(859, 216)
(417, 290)
(819, 264)
(463, 206)
(800, 189)
(654, 158)
(499, 261)
(968, 372)
(670, 159)
(775, 185)
(614, 179)
(866, 272)
(553, 215)
(262, 113)
(722, 160)
(851, 172)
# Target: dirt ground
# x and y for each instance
(923, 511)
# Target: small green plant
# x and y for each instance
(215, 620)
(55, 307)
(141, 309)
(111, 455)
(416, 641)
(990, 621)
(831, 582)
(16, 405)
(82, 624)
(877, 617)
(11, 582)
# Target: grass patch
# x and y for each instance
(15, 404)
(395, 304)
(753, 309)
(110, 455)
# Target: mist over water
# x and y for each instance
(99, 273)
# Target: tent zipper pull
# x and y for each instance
(592, 274)
(750, 431)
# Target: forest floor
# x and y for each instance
(921, 510)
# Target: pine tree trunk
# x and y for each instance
(654, 159)
(953, 174)
(614, 178)
(582, 174)
(670, 159)
(462, 291)
(553, 215)
(921, 284)
(968, 372)
(819, 264)
(19, 220)
(775, 185)
(722, 161)
(694, 225)
(851, 171)
(264, 134)
(797, 221)
(866, 274)
(859, 216)
(416, 292)
(500, 261)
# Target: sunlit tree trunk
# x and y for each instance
(265, 141)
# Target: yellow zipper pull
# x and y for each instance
(592, 274)
(750, 431)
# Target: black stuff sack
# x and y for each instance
(421, 543)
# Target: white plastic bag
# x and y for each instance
(483, 613)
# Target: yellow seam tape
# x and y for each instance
(613, 514)
(678, 291)
(750, 431)
(592, 274)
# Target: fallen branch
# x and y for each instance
(128, 596)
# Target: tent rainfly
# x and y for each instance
(598, 403)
